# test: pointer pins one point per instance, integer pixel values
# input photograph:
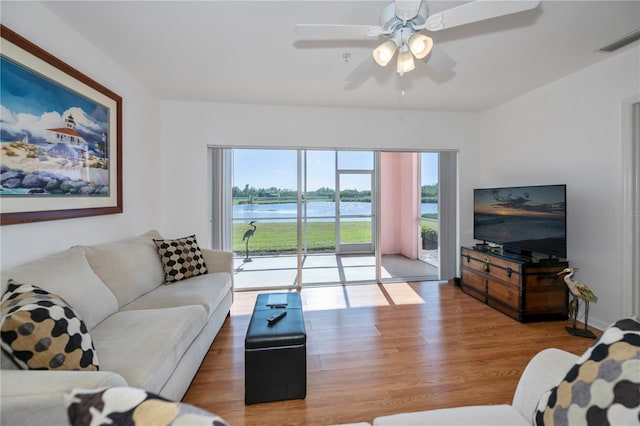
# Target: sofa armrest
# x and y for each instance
(218, 260)
(37, 397)
(544, 371)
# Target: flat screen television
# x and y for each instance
(525, 220)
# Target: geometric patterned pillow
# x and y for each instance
(181, 258)
(603, 387)
(132, 406)
(42, 332)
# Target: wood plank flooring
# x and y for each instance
(375, 350)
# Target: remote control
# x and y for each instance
(274, 319)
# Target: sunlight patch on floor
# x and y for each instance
(339, 297)
(403, 294)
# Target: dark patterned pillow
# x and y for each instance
(603, 387)
(181, 258)
(132, 406)
(42, 332)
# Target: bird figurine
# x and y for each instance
(248, 234)
(579, 291)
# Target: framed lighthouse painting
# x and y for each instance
(60, 138)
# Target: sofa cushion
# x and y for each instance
(494, 415)
(132, 406)
(69, 275)
(22, 391)
(144, 346)
(130, 267)
(207, 290)
(181, 258)
(42, 332)
(603, 387)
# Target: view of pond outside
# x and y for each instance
(317, 210)
(264, 191)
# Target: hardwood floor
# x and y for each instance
(375, 350)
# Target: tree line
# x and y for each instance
(429, 194)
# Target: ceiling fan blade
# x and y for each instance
(407, 9)
(439, 61)
(366, 71)
(478, 10)
(361, 73)
(331, 31)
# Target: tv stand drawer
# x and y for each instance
(525, 291)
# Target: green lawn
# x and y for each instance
(282, 236)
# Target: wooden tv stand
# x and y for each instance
(524, 290)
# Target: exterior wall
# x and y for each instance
(400, 225)
(390, 201)
(410, 221)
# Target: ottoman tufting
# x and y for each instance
(275, 357)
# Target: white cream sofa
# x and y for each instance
(543, 372)
(146, 334)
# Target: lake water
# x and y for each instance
(314, 209)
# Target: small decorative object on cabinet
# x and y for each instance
(579, 290)
(524, 290)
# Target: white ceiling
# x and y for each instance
(247, 51)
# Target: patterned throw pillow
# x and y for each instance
(42, 332)
(132, 406)
(603, 387)
(181, 258)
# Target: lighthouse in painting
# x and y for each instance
(66, 139)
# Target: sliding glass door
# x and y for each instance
(265, 217)
(313, 217)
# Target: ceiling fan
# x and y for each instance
(404, 22)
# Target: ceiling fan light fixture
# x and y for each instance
(384, 53)
(405, 61)
(420, 45)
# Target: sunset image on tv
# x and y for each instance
(531, 218)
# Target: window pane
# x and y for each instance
(429, 208)
(321, 175)
(264, 202)
(355, 160)
(261, 176)
(355, 194)
(353, 231)
(320, 236)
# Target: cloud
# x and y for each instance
(16, 125)
(525, 204)
(85, 123)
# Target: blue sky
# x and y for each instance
(30, 104)
(277, 168)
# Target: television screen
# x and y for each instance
(525, 219)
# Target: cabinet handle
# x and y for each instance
(485, 267)
(468, 258)
(509, 272)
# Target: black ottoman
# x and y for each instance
(275, 355)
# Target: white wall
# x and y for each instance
(570, 132)
(189, 127)
(141, 134)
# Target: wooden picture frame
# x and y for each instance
(61, 138)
